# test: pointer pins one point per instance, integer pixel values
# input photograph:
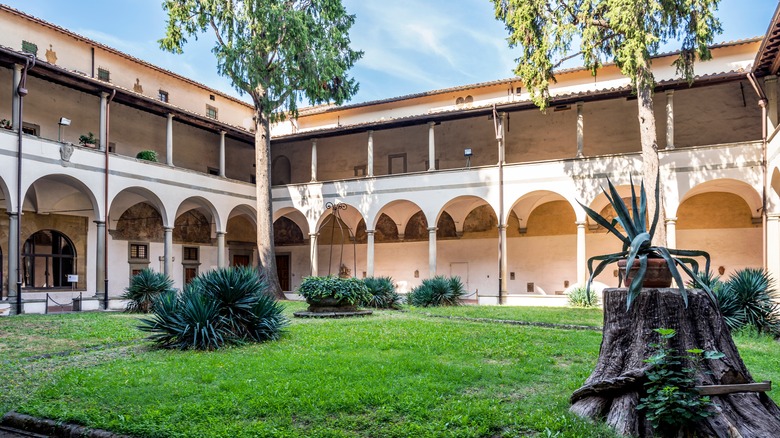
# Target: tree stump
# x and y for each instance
(613, 390)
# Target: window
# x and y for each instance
(139, 251)
(162, 95)
(138, 257)
(31, 129)
(48, 258)
(190, 253)
(252, 179)
(396, 163)
(360, 170)
(111, 146)
(211, 112)
(211, 97)
(104, 74)
(213, 171)
(30, 47)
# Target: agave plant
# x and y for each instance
(637, 243)
(144, 288)
(437, 291)
(220, 307)
(383, 294)
(752, 292)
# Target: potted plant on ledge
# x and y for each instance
(88, 140)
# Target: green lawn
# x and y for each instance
(390, 374)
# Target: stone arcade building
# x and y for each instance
(434, 183)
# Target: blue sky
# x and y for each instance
(410, 46)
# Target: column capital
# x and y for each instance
(103, 95)
(99, 223)
(370, 232)
(502, 226)
(580, 103)
(221, 233)
(370, 132)
(431, 124)
(169, 116)
(12, 214)
(168, 229)
(314, 235)
(769, 216)
(669, 92)
(581, 224)
(671, 220)
(432, 229)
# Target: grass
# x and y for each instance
(551, 315)
(392, 374)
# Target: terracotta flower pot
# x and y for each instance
(657, 274)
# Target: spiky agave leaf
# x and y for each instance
(753, 289)
(144, 288)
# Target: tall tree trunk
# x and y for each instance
(265, 220)
(616, 385)
(649, 140)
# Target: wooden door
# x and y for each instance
(240, 260)
(283, 271)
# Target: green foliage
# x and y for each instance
(220, 307)
(581, 297)
(637, 243)
(672, 402)
(383, 294)
(279, 52)
(5, 124)
(350, 290)
(87, 139)
(144, 288)
(747, 300)
(147, 155)
(625, 32)
(437, 291)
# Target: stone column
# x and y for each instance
(100, 254)
(103, 120)
(773, 244)
(770, 88)
(581, 254)
(314, 160)
(431, 146)
(13, 254)
(580, 130)
(221, 249)
(169, 141)
(669, 119)
(222, 154)
(431, 252)
(15, 116)
(314, 260)
(504, 275)
(168, 252)
(671, 232)
(370, 164)
(370, 253)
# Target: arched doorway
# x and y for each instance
(48, 257)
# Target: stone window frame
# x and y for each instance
(163, 96)
(137, 263)
(104, 74)
(212, 112)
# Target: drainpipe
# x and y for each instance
(762, 102)
(21, 91)
(105, 202)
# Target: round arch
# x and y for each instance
(459, 208)
(131, 196)
(203, 206)
(740, 188)
(400, 211)
(294, 215)
(55, 193)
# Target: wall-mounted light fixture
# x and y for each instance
(63, 122)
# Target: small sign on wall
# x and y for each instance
(72, 278)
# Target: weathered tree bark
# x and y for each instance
(617, 383)
(649, 140)
(265, 221)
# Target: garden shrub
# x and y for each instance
(437, 291)
(349, 290)
(383, 294)
(144, 288)
(579, 297)
(147, 155)
(220, 307)
(752, 292)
